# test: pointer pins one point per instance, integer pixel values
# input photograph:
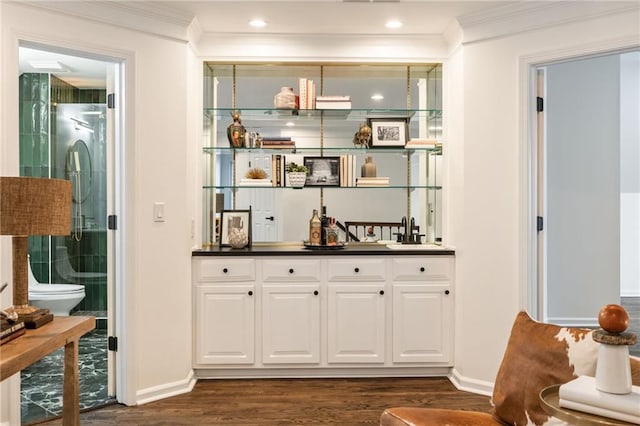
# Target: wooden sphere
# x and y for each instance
(613, 318)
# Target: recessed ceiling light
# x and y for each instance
(48, 65)
(290, 124)
(377, 97)
(393, 24)
(257, 23)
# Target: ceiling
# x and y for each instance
(419, 17)
(328, 16)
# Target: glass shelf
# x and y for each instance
(432, 187)
(314, 114)
(350, 150)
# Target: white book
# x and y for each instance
(333, 104)
(599, 411)
(302, 93)
(583, 390)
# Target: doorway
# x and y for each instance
(66, 132)
(588, 182)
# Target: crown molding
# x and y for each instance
(157, 19)
(513, 18)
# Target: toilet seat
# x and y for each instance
(45, 289)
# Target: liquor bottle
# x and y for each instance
(324, 223)
(332, 232)
(315, 229)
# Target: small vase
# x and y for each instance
(238, 238)
(368, 168)
(286, 99)
(297, 179)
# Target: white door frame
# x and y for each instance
(529, 297)
(122, 264)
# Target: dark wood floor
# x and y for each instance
(288, 401)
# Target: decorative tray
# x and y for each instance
(337, 246)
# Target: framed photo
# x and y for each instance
(235, 226)
(323, 171)
(388, 132)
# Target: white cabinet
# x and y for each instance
(290, 324)
(422, 310)
(356, 323)
(323, 315)
(421, 325)
(225, 310)
(226, 324)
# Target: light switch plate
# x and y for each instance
(158, 212)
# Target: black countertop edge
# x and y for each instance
(300, 250)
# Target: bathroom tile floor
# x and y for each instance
(41, 383)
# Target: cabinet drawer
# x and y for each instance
(290, 270)
(422, 268)
(225, 270)
(357, 269)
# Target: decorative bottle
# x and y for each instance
(368, 168)
(315, 229)
(324, 223)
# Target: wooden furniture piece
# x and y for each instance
(550, 400)
(38, 343)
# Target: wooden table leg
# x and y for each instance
(71, 388)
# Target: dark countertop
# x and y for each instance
(352, 249)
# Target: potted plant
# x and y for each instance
(297, 174)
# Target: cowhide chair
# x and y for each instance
(537, 355)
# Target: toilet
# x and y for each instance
(58, 298)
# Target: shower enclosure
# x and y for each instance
(63, 134)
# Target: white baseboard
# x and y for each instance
(166, 390)
(467, 384)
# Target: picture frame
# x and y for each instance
(323, 171)
(390, 132)
(234, 221)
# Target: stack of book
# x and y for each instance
(333, 102)
(307, 93)
(278, 142)
(10, 330)
(255, 182)
(373, 181)
(422, 143)
(581, 394)
(347, 170)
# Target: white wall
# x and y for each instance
(491, 270)
(630, 174)
(157, 275)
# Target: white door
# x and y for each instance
(265, 205)
(225, 325)
(291, 324)
(356, 323)
(422, 326)
(580, 183)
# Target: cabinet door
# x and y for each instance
(356, 323)
(291, 324)
(225, 324)
(422, 323)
